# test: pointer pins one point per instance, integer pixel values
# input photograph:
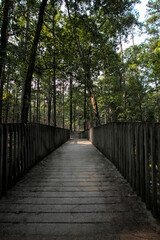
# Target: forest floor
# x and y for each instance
(75, 194)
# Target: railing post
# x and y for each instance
(15, 154)
(1, 158)
(5, 160)
(137, 160)
(10, 158)
(153, 170)
(130, 153)
(147, 174)
(142, 163)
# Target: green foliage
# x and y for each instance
(84, 41)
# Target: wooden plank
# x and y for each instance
(120, 149)
(142, 163)
(98, 217)
(130, 153)
(158, 155)
(15, 154)
(10, 157)
(134, 156)
(153, 169)
(19, 153)
(22, 151)
(147, 173)
(5, 159)
(65, 208)
(123, 151)
(137, 143)
(1, 159)
(25, 136)
(127, 150)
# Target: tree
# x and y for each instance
(26, 94)
(3, 49)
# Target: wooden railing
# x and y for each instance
(134, 148)
(24, 145)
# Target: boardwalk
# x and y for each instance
(74, 194)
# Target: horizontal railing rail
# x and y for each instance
(24, 145)
(134, 148)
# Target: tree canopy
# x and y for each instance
(63, 63)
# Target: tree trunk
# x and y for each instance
(110, 113)
(85, 88)
(26, 92)
(105, 115)
(78, 120)
(123, 75)
(91, 114)
(49, 104)
(140, 106)
(7, 104)
(94, 106)
(74, 116)
(54, 93)
(54, 69)
(63, 106)
(71, 102)
(38, 102)
(157, 101)
(44, 110)
(92, 96)
(30, 113)
(34, 110)
(3, 47)
(26, 27)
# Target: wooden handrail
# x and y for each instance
(134, 148)
(24, 145)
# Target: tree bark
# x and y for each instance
(3, 48)
(93, 98)
(49, 105)
(7, 102)
(71, 102)
(157, 101)
(123, 75)
(44, 110)
(26, 30)
(63, 106)
(54, 69)
(74, 116)
(26, 92)
(38, 102)
(105, 115)
(85, 100)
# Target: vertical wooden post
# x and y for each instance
(1, 159)
(15, 154)
(130, 149)
(153, 169)
(5, 159)
(133, 157)
(10, 162)
(127, 150)
(137, 160)
(147, 175)
(158, 151)
(142, 164)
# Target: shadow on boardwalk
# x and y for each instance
(73, 194)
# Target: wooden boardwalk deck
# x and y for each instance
(74, 194)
